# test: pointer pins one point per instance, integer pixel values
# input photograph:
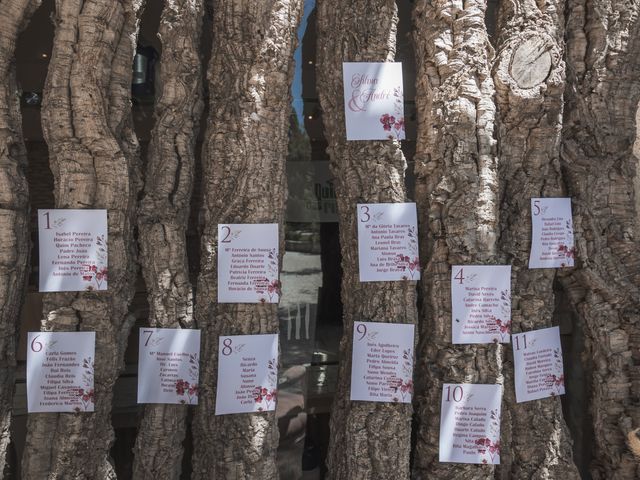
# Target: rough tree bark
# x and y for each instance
(529, 77)
(457, 195)
(14, 209)
(368, 440)
(163, 218)
(243, 182)
(603, 89)
(88, 129)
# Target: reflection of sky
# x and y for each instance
(296, 88)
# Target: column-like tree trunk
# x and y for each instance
(14, 208)
(163, 218)
(529, 78)
(244, 182)
(368, 440)
(603, 90)
(457, 195)
(87, 126)
(456, 190)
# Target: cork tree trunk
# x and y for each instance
(457, 195)
(92, 150)
(368, 440)
(602, 94)
(14, 209)
(529, 77)
(163, 218)
(243, 182)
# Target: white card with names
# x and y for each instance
(373, 101)
(382, 362)
(388, 242)
(247, 374)
(538, 366)
(73, 250)
(470, 423)
(168, 365)
(481, 303)
(60, 376)
(248, 269)
(552, 233)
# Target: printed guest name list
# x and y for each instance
(73, 250)
(248, 269)
(382, 362)
(168, 365)
(247, 374)
(60, 371)
(388, 242)
(552, 233)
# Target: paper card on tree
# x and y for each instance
(552, 233)
(470, 423)
(537, 361)
(73, 250)
(247, 374)
(60, 371)
(168, 365)
(373, 101)
(248, 263)
(481, 303)
(388, 242)
(382, 362)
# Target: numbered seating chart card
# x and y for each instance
(247, 374)
(481, 303)
(470, 423)
(373, 101)
(388, 242)
(552, 233)
(73, 250)
(60, 371)
(248, 263)
(382, 362)
(537, 360)
(168, 365)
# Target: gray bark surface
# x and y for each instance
(244, 158)
(14, 209)
(457, 194)
(529, 76)
(602, 94)
(368, 440)
(163, 218)
(93, 156)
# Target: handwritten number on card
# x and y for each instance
(150, 332)
(226, 239)
(34, 343)
(459, 276)
(226, 350)
(48, 225)
(536, 206)
(524, 341)
(365, 212)
(457, 390)
(361, 328)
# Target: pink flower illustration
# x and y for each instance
(388, 121)
(487, 446)
(190, 389)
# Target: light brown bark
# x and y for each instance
(602, 93)
(14, 209)
(163, 218)
(368, 440)
(244, 182)
(87, 126)
(529, 76)
(457, 194)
